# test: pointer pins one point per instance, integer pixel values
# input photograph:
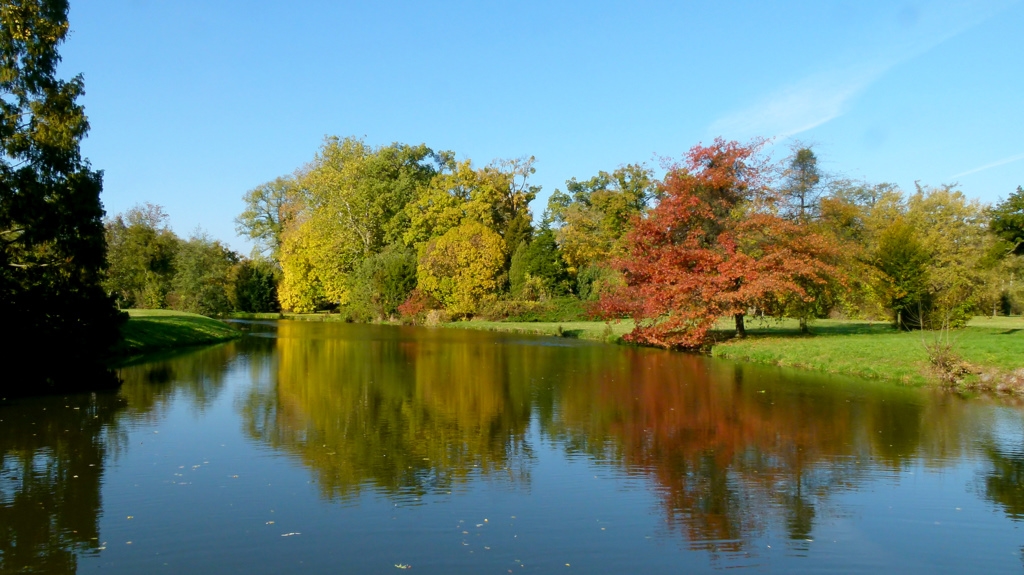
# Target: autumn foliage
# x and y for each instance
(716, 245)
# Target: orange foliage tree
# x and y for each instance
(715, 246)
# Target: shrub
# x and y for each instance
(949, 366)
(551, 310)
(414, 309)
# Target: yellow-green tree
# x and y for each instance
(348, 205)
(462, 268)
(925, 252)
(955, 231)
(592, 215)
(496, 196)
(311, 272)
(457, 195)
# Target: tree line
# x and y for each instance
(151, 267)
(399, 231)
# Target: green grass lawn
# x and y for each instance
(149, 330)
(877, 350)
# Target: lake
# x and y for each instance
(335, 448)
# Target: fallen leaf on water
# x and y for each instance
(403, 566)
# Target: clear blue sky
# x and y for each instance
(194, 102)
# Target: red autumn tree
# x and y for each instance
(714, 246)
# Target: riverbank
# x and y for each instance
(152, 330)
(992, 350)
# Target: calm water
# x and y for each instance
(331, 448)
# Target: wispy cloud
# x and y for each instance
(994, 164)
(800, 107)
(823, 97)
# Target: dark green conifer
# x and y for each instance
(60, 323)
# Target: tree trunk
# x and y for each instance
(803, 325)
(741, 330)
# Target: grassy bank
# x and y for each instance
(148, 331)
(992, 348)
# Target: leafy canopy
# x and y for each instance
(349, 205)
(1008, 222)
(713, 246)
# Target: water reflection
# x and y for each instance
(196, 374)
(733, 450)
(732, 453)
(408, 415)
(52, 456)
(1003, 481)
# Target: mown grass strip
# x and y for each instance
(993, 346)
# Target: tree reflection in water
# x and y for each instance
(1003, 483)
(196, 374)
(733, 453)
(407, 415)
(733, 450)
(53, 451)
(52, 454)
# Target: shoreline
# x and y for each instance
(989, 352)
(870, 350)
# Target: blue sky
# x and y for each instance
(194, 102)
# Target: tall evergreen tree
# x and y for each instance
(52, 249)
(800, 188)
